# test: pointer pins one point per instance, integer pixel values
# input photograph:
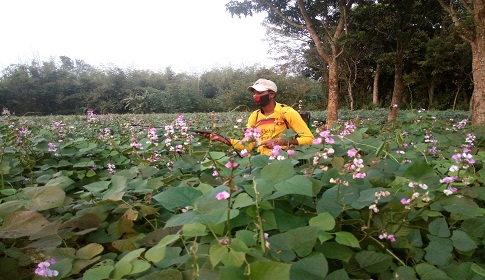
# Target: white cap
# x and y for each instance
(263, 85)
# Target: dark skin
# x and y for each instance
(267, 110)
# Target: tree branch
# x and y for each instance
(281, 15)
(456, 20)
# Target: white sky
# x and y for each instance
(189, 35)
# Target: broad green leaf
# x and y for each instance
(217, 253)
(242, 200)
(118, 185)
(430, 272)
(478, 269)
(97, 187)
(334, 199)
(155, 254)
(460, 206)
(323, 221)
(340, 274)
(60, 182)
(268, 270)
(44, 198)
(347, 238)
(233, 258)
(89, 251)
(133, 255)
(63, 266)
(298, 184)
(193, 230)
(121, 269)
(333, 250)
(439, 228)
(419, 171)
(139, 266)
(231, 273)
(367, 197)
(22, 223)
(462, 241)
(166, 274)
(278, 171)
(181, 219)
(373, 262)
(179, 197)
(405, 273)
(311, 267)
(439, 250)
(98, 272)
(286, 221)
(301, 240)
(83, 164)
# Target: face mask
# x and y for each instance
(262, 100)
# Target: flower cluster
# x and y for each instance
(415, 186)
(378, 196)
(44, 270)
(176, 142)
(231, 164)
(389, 237)
(322, 155)
(275, 153)
(355, 165)
(111, 168)
(458, 125)
(105, 134)
(152, 136)
(324, 137)
(464, 158)
(349, 127)
(251, 134)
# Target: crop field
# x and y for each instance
(143, 197)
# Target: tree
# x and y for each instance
(323, 21)
(469, 20)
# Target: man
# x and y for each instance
(272, 118)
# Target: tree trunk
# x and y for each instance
(375, 90)
(332, 106)
(431, 93)
(398, 84)
(478, 64)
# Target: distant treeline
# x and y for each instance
(71, 86)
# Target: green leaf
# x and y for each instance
(298, 184)
(347, 238)
(233, 258)
(439, 250)
(337, 251)
(462, 207)
(430, 272)
(193, 230)
(178, 197)
(269, 270)
(60, 182)
(324, 221)
(121, 269)
(340, 274)
(334, 199)
(231, 273)
(278, 171)
(133, 255)
(462, 241)
(439, 228)
(155, 254)
(301, 240)
(22, 223)
(98, 272)
(181, 219)
(373, 262)
(478, 269)
(242, 200)
(89, 251)
(44, 198)
(97, 187)
(139, 266)
(311, 267)
(166, 274)
(405, 273)
(217, 253)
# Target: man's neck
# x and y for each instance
(268, 109)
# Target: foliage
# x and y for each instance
(142, 197)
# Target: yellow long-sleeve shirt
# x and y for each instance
(283, 117)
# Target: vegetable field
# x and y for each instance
(143, 197)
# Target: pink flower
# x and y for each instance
(317, 141)
(223, 195)
(290, 152)
(391, 238)
(232, 165)
(352, 152)
(405, 201)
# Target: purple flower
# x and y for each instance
(405, 201)
(352, 152)
(223, 195)
(44, 270)
(232, 165)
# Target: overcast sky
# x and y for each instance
(189, 35)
